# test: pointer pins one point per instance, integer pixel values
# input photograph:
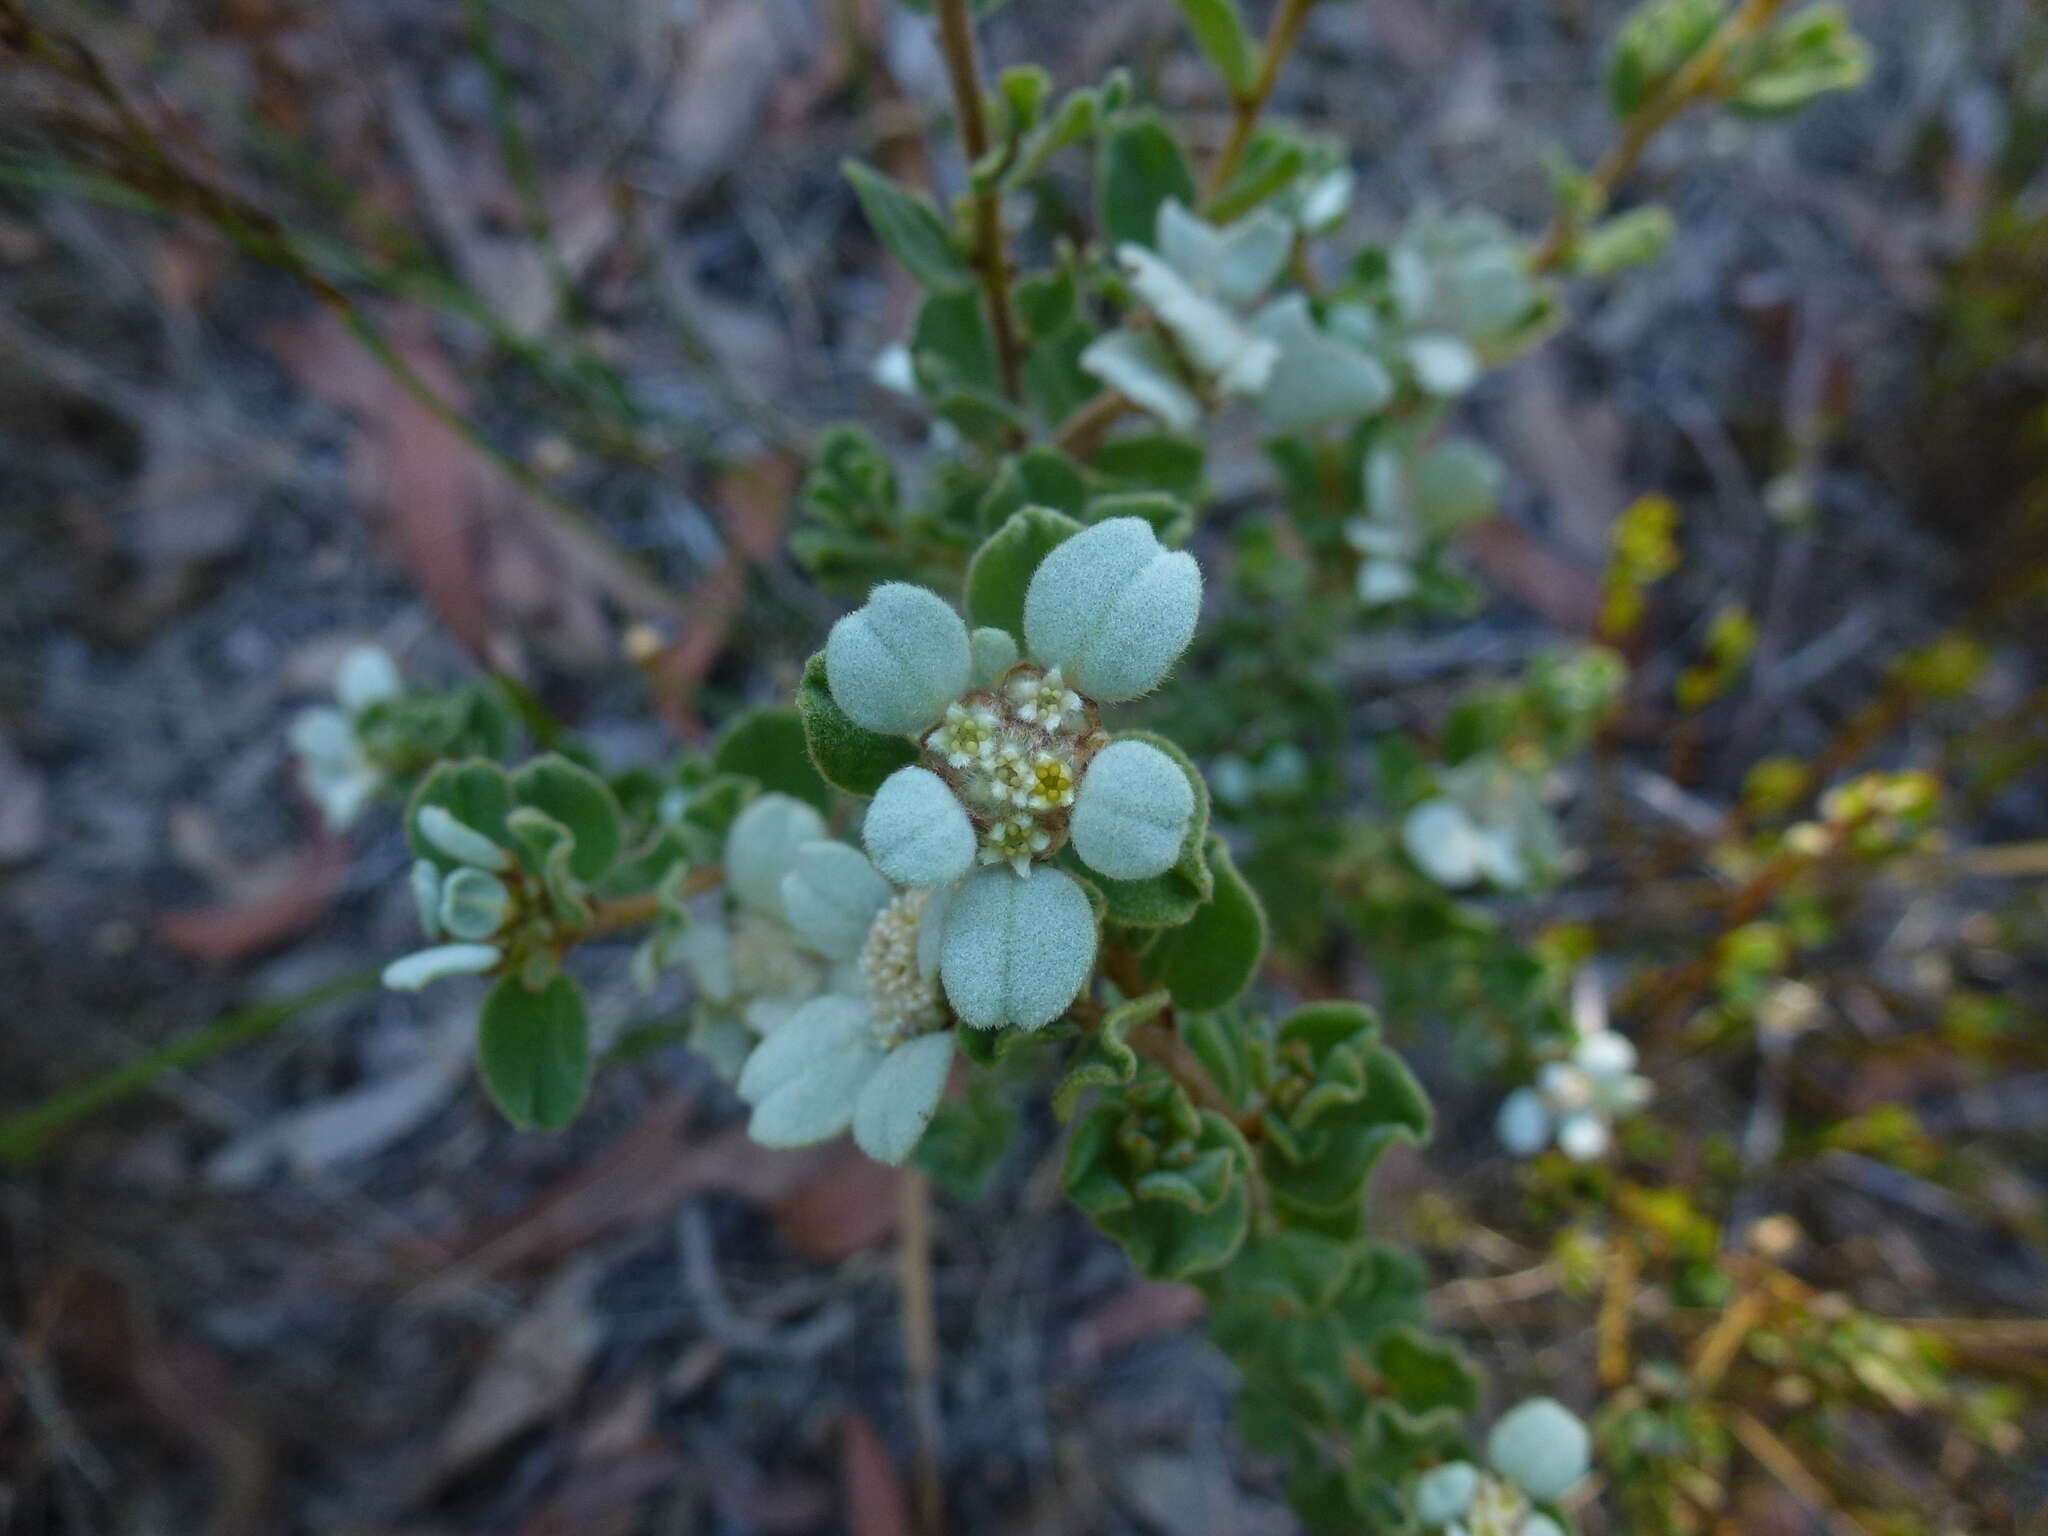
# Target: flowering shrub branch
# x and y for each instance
(1040, 809)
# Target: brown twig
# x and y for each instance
(991, 262)
(1250, 106)
(622, 912)
(1783, 1463)
(920, 1342)
(1698, 79)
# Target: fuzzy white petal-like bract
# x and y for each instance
(1444, 1493)
(1318, 378)
(1523, 1123)
(474, 905)
(1440, 837)
(1017, 948)
(898, 660)
(832, 895)
(761, 848)
(1541, 1447)
(409, 973)
(899, 1100)
(1112, 608)
(1236, 263)
(917, 831)
(1133, 811)
(994, 652)
(1140, 367)
(805, 1078)
(1213, 339)
(367, 675)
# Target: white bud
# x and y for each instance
(895, 663)
(1584, 1136)
(1112, 609)
(409, 973)
(426, 895)
(761, 848)
(917, 831)
(832, 895)
(1016, 948)
(1541, 1447)
(1133, 811)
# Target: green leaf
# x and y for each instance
(1075, 119)
(1154, 461)
(1653, 45)
(1142, 166)
(1633, 239)
(767, 746)
(1804, 57)
(1219, 28)
(1209, 960)
(476, 792)
(1224, 1043)
(580, 801)
(1302, 1272)
(952, 347)
(1171, 518)
(969, 1137)
(1054, 381)
(1001, 570)
(848, 756)
(1427, 1373)
(1109, 1060)
(534, 1050)
(910, 227)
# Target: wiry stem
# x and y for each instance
(1698, 79)
(991, 263)
(1249, 107)
(920, 1342)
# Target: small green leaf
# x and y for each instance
(969, 1137)
(580, 801)
(1075, 119)
(849, 756)
(476, 792)
(1109, 1060)
(1001, 569)
(1633, 239)
(1303, 1272)
(910, 227)
(1427, 1373)
(1219, 28)
(534, 1051)
(767, 746)
(1209, 960)
(1154, 461)
(1808, 55)
(1142, 166)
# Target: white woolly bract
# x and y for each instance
(895, 663)
(367, 675)
(832, 894)
(1016, 948)
(409, 973)
(993, 652)
(917, 831)
(803, 1079)
(1140, 367)
(761, 848)
(1133, 811)
(896, 1104)
(1112, 609)
(1234, 264)
(1318, 379)
(1541, 1447)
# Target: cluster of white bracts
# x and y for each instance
(952, 910)
(1016, 763)
(1537, 1450)
(1576, 1101)
(337, 773)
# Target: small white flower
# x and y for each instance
(967, 736)
(1576, 1101)
(1049, 780)
(1045, 700)
(1015, 840)
(336, 772)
